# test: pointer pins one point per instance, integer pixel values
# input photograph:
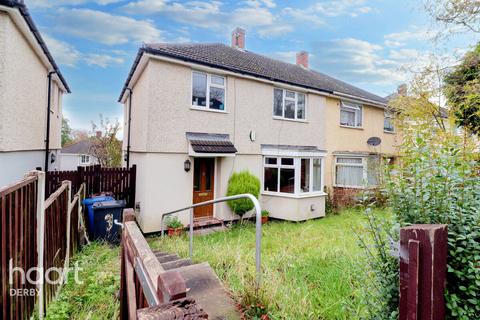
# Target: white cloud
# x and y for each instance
(285, 56)
(102, 60)
(342, 7)
(303, 16)
(63, 53)
(106, 28)
(209, 14)
(402, 38)
(56, 3)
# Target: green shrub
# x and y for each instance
(438, 183)
(265, 213)
(239, 183)
(174, 223)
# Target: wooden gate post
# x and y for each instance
(423, 269)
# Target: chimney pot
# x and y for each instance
(238, 38)
(302, 59)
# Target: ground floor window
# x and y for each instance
(84, 159)
(293, 175)
(357, 171)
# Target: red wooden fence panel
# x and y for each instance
(18, 207)
(119, 181)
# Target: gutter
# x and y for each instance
(22, 8)
(129, 125)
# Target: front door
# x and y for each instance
(203, 185)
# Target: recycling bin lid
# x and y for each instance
(109, 204)
(89, 201)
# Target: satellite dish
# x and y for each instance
(374, 141)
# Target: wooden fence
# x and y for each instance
(36, 234)
(147, 291)
(119, 181)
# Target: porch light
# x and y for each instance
(187, 165)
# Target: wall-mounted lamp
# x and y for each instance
(187, 165)
(52, 158)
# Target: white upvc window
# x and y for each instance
(208, 91)
(289, 104)
(388, 125)
(351, 114)
(295, 176)
(84, 159)
(357, 171)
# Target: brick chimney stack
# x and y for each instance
(302, 59)
(238, 38)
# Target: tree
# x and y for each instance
(105, 145)
(80, 135)
(239, 183)
(456, 13)
(66, 132)
(462, 90)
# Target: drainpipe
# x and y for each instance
(129, 125)
(47, 138)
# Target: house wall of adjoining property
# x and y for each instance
(23, 92)
(354, 140)
(163, 185)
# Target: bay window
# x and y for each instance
(350, 114)
(289, 104)
(293, 175)
(208, 91)
(357, 171)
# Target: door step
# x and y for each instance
(207, 222)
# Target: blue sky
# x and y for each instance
(363, 42)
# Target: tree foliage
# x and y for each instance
(462, 89)
(105, 145)
(66, 132)
(459, 13)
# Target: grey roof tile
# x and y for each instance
(245, 62)
(81, 147)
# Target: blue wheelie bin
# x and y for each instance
(88, 203)
(104, 215)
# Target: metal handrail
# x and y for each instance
(258, 225)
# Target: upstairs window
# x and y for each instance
(388, 122)
(289, 104)
(350, 114)
(208, 91)
(84, 159)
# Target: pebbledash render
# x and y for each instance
(26, 68)
(200, 112)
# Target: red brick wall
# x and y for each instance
(345, 197)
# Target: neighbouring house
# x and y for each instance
(196, 113)
(31, 91)
(78, 154)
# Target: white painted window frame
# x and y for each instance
(388, 115)
(297, 163)
(85, 162)
(295, 100)
(352, 107)
(210, 84)
(364, 165)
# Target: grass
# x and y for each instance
(95, 297)
(311, 270)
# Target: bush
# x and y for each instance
(438, 183)
(174, 223)
(239, 183)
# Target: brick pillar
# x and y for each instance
(423, 269)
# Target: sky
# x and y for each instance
(366, 43)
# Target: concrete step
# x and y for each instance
(159, 253)
(168, 258)
(199, 223)
(176, 264)
(204, 286)
(208, 230)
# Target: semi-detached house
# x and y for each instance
(196, 113)
(31, 96)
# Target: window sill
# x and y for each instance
(389, 132)
(292, 120)
(294, 196)
(349, 127)
(207, 109)
(355, 187)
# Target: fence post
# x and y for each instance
(69, 221)
(133, 178)
(40, 241)
(97, 178)
(423, 268)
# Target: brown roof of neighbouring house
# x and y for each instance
(80, 147)
(33, 28)
(248, 63)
